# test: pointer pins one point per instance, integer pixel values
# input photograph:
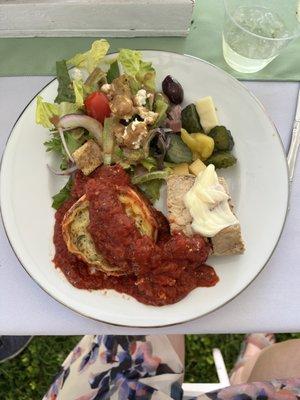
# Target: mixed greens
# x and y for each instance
(108, 110)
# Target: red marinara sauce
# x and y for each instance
(157, 273)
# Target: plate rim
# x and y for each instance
(81, 313)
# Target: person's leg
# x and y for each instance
(279, 361)
(260, 361)
(177, 342)
(251, 348)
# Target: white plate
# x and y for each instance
(258, 184)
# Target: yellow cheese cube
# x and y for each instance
(207, 113)
(197, 166)
(181, 169)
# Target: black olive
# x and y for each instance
(172, 89)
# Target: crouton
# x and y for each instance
(88, 157)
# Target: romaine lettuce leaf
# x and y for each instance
(149, 163)
(151, 189)
(108, 141)
(96, 79)
(160, 106)
(66, 108)
(91, 58)
(130, 60)
(133, 65)
(65, 92)
(45, 111)
(81, 91)
(146, 75)
(150, 176)
(72, 143)
(63, 195)
(113, 71)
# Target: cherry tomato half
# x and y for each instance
(97, 106)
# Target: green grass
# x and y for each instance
(28, 376)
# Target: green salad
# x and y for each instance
(109, 110)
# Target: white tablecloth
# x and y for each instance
(271, 303)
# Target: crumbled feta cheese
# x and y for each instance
(149, 117)
(125, 133)
(134, 124)
(105, 88)
(140, 97)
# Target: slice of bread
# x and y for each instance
(179, 216)
(227, 242)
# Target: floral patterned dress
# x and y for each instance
(143, 368)
(119, 367)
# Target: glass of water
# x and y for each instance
(255, 31)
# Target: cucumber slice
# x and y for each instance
(222, 159)
(149, 177)
(190, 119)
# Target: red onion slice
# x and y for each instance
(72, 121)
(62, 136)
(68, 171)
